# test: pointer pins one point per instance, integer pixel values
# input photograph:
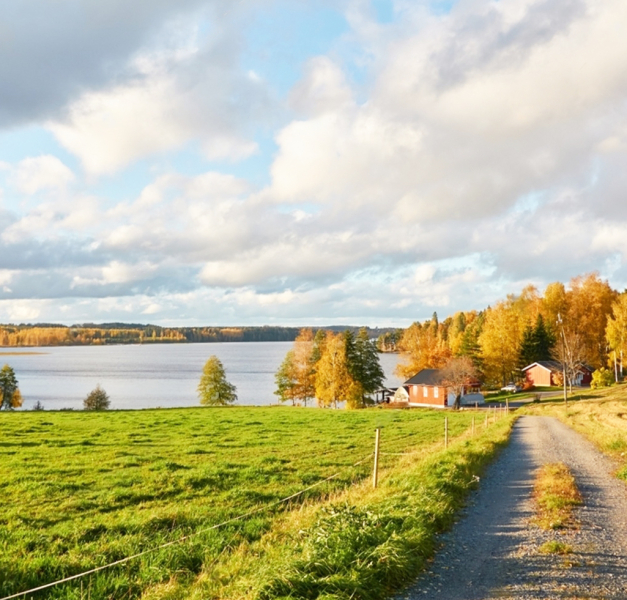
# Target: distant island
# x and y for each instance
(92, 334)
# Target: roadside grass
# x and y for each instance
(84, 489)
(600, 415)
(556, 495)
(361, 544)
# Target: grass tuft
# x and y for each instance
(555, 547)
(556, 496)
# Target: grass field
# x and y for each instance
(81, 490)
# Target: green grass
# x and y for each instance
(83, 489)
(555, 547)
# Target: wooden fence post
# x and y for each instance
(507, 406)
(375, 472)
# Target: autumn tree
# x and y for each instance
(458, 373)
(295, 378)
(10, 396)
(214, 389)
(555, 305)
(590, 306)
(500, 343)
(286, 380)
(421, 347)
(616, 332)
(97, 399)
(334, 382)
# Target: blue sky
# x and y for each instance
(355, 162)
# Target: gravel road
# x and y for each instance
(493, 551)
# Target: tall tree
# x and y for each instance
(10, 396)
(590, 306)
(286, 379)
(554, 303)
(213, 388)
(334, 383)
(616, 332)
(304, 366)
(536, 343)
(421, 348)
(364, 365)
(500, 343)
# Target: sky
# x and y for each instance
(306, 162)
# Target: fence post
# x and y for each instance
(375, 472)
(445, 432)
(507, 406)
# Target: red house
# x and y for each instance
(543, 372)
(426, 389)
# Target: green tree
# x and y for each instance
(10, 396)
(286, 379)
(364, 364)
(536, 343)
(214, 389)
(97, 399)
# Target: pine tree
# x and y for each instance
(367, 370)
(528, 348)
(214, 389)
(544, 339)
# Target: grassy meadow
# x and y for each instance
(84, 489)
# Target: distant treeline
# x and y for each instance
(49, 334)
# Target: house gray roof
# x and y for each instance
(426, 377)
(434, 377)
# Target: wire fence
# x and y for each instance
(490, 417)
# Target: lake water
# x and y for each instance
(161, 375)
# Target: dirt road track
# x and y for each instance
(493, 551)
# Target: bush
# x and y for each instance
(38, 406)
(602, 378)
(97, 399)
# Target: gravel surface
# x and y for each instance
(493, 551)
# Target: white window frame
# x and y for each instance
(436, 392)
(425, 391)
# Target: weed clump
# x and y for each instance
(556, 496)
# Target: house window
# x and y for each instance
(436, 392)
(425, 391)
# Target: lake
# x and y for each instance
(150, 376)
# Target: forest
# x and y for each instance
(584, 322)
(43, 334)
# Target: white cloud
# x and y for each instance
(34, 174)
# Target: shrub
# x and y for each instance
(602, 378)
(97, 399)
